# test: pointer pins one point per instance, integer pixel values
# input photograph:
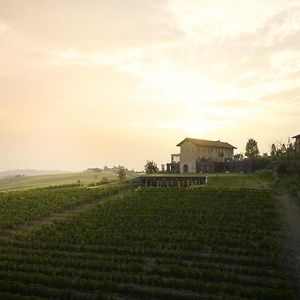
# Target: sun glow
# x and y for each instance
(91, 77)
(172, 85)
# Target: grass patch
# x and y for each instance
(29, 182)
(251, 181)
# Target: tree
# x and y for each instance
(273, 151)
(290, 148)
(283, 148)
(251, 149)
(238, 156)
(151, 167)
(260, 162)
(122, 173)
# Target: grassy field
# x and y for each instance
(56, 179)
(236, 180)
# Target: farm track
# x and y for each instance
(289, 212)
(66, 213)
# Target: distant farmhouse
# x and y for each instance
(199, 156)
(297, 142)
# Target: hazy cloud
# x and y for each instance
(75, 57)
(211, 21)
(286, 62)
(4, 112)
(209, 69)
(3, 27)
(291, 96)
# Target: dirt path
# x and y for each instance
(69, 212)
(289, 212)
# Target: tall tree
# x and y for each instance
(251, 149)
(151, 167)
(121, 173)
(273, 150)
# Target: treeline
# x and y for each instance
(283, 157)
(114, 169)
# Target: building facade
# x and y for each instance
(198, 156)
(297, 142)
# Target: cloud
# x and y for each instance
(3, 27)
(4, 112)
(280, 29)
(286, 62)
(92, 25)
(137, 123)
(291, 96)
(194, 125)
(232, 103)
(211, 21)
(227, 53)
(75, 57)
(209, 62)
(182, 70)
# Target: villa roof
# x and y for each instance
(207, 143)
(296, 136)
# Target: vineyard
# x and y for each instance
(144, 244)
(21, 206)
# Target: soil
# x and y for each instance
(289, 211)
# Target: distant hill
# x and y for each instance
(33, 181)
(20, 173)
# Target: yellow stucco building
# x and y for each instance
(193, 152)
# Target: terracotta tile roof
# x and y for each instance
(207, 143)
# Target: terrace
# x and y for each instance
(169, 181)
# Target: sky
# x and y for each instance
(88, 83)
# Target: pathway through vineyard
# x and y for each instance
(289, 211)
